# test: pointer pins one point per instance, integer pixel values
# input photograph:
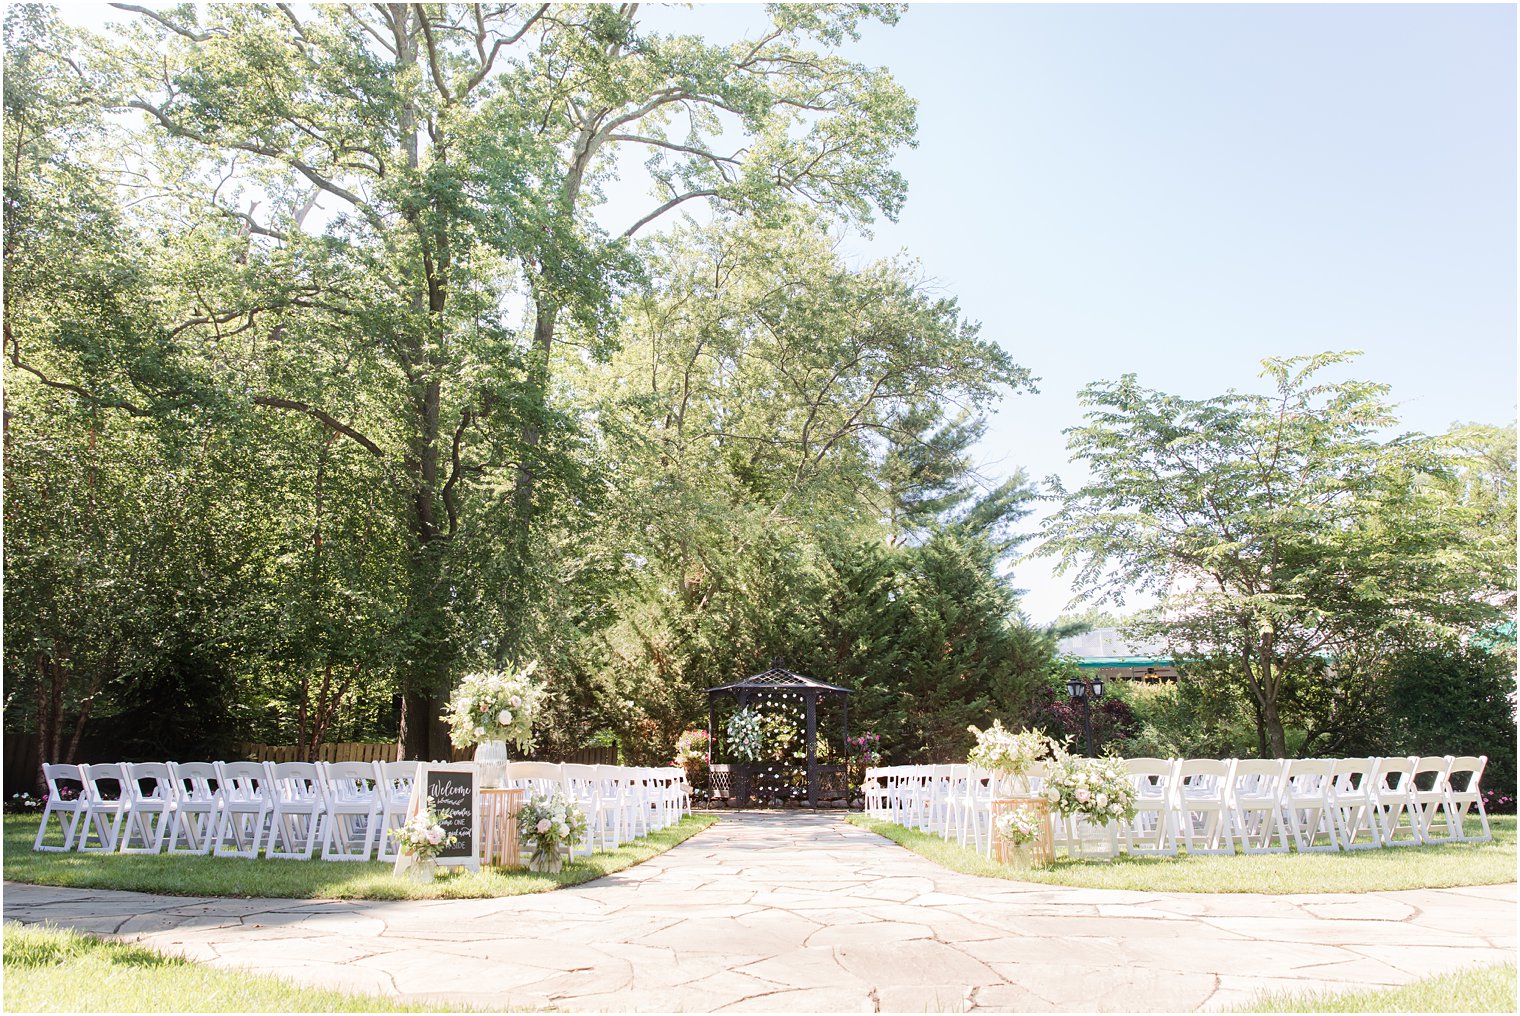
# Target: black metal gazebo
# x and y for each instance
(771, 779)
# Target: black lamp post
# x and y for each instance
(1084, 691)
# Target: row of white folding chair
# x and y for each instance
(620, 802)
(1210, 805)
(286, 807)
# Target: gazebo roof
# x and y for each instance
(780, 678)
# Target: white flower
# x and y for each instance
(504, 717)
(564, 830)
(543, 825)
(1082, 794)
(1053, 794)
(1114, 809)
(464, 704)
(515, 701)
(435, 836)
(1102, 800)
(480, 731)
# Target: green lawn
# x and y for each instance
(315, 879)
(56, 970)
(1487, 989)
(1428, 867)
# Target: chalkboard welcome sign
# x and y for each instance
(454, 797)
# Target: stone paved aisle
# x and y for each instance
(797, 911)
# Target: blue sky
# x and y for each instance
(1179, 191)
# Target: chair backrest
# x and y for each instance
(581, 781)
(295, 782)
(65, 785)
(1430, 773)
(1355, 776)
(1310, 777)
(1258, 777)
(1202, 777)
(539, 778)
(243, 782)
(394, 780)
(156, 775)
(98, 778)
(349, 781)
(1152, 777)
(1394, 775)
(193, 781)
(1464, 774)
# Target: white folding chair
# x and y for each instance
(150, 809)
(298, 806)
(1306, 804)
(246, 805)
(354, 802)
(394, 786)
(1393, 802)
(197, 805)
(1427, 795)
(1202, 806)
(1351, 803)
(1463, 793)
(62, 779)
(873, 789)
(582, 788)
(105, 806)
(622, 800)
(1255, 802)
(1153, 829)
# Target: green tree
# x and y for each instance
(1281, 530)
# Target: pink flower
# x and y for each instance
(1082, 794)
(543, 825)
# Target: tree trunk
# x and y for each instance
(1279, 741)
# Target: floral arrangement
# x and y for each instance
(28, 802)
(546, 824)
(423, 835)
(1097, 788)
(1018, 825)
(745, 738)
(495, 706)
(692, 749)
(867, 749)
(1001, 751)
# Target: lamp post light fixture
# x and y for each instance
(1085, 691)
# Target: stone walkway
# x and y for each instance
(797, 911)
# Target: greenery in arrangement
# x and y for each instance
(57, 970)
(548, 825)
(1019, 825)
(1432, 866)
(245, 877)
(1098, 789)
(495, 706)
(1001, 751)
(746, 735)
(1483, 989)
(423, 836)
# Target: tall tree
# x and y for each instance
(1281, 530)
(359, 189)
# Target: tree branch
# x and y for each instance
(323, 417)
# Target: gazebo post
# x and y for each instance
(812, 745)
(844, 702)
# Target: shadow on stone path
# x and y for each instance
(801, 911)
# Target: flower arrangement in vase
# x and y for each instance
(547, 825)
(1007, 754)
(495, 706)
(746, 739)
(693, 753)
(423, 838)
(1098, 789)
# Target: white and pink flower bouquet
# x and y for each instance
(1099, 789)
(423, 835)
(546, 825)
(1019, 825)
(495, 706)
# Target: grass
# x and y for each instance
(1428, 867)
(1485, 989)
(56, 970)
(181, 875)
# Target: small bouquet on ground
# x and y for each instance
(745, 738)
(423, 836)
(1019, 825)
(1099, 789)
(1008, 754)
(495, 706)
(545, 826)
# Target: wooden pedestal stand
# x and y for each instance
(1041, 851)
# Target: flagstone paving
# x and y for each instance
(797, 911)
